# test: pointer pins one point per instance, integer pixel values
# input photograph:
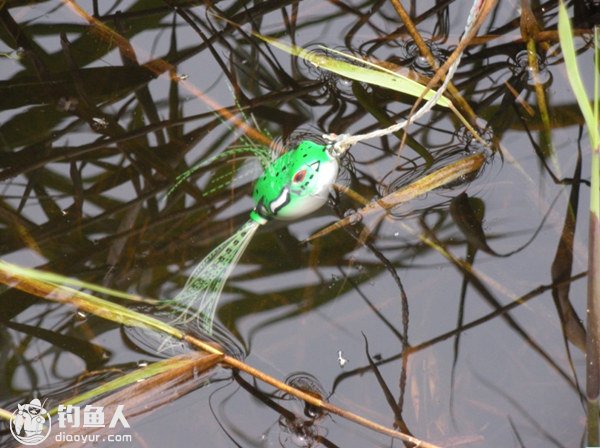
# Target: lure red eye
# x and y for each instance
(299, 176)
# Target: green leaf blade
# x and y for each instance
(565, 34)
(379, 77)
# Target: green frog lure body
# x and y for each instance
(293, 185)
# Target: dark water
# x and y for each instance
(91, 138)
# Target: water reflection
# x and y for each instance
(109, 179)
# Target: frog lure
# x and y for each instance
(293, 185)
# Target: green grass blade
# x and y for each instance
(58, 279)
(590, 114)
(4, 414)
(596, 73)
(17, 277)
(160, 371)
(568, 48)
(374, 75)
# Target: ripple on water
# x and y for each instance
(333, 84)
(300, 427)
(160, 345)
(520, 67)
(410, 56)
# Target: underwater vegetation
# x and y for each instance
(297, 224)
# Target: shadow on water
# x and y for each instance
(456, 318)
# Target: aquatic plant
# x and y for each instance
(592, 119)
(103, 107)
(299, 181)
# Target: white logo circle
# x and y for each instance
(30, 424)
